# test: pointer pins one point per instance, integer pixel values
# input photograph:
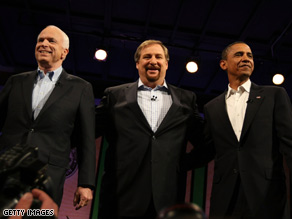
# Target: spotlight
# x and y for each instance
(192, 67)
(278, 79)
(100, 54)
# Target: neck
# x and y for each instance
(152, 84)
(47, 68)
(234, 83)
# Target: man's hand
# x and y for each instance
(81, 197)
(47, 202)
(26, 201)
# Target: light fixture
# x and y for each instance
(278, 79)
(192, 67)
(100, 54)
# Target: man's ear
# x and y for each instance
(64, 54)
(223, 64)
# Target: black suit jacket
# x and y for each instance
(257, 158)
(141, 164)
(70, 108)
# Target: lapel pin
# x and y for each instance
(258, 97)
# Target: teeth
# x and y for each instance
(45, 52)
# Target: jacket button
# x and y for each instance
(153, 137)
(32, 130)
(235, 171)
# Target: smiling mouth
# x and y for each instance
(242, 66)
(45, 52)
(153, 69)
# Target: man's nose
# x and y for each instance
(45, 42)
(246, 57)
(153, 61)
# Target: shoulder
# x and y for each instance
(120, 87)
(20, 77)
(177, 90)
(268, 88)
(215, 100)
(264, 87)
(75, 79)
(23, 74)
(184, 96)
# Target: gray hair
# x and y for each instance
(66, 41)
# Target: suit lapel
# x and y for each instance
(254, 102)
(59, 90)
(221, 112)
(27, 88)
(130, 93)
(168, 119)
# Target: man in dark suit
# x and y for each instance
(42, 108)
(147, 125)
(249, 131)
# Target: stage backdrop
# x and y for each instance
(67, 210)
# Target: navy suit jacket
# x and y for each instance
(69, 109)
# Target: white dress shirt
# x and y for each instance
(236, 102)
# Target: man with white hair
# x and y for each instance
(44, 107)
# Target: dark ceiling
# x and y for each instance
(189, 28)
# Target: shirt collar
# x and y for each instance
(244, 87)
(53, 75)
(141, 86)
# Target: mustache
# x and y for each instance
(151, 67)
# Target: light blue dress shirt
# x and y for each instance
(43, 87)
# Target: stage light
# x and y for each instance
(192, 67)
(100, 54)
(278, 79)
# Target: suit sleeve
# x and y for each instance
(196, 125)
(202, 152)
(283, 124)
(102, 115)
(4, 94)
(86, 150)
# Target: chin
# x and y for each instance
(152, 79)
(43, 62)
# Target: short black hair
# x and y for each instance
(226, 50)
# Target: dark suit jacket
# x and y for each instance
(257, 158)
(141, 164)
(69, 108)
